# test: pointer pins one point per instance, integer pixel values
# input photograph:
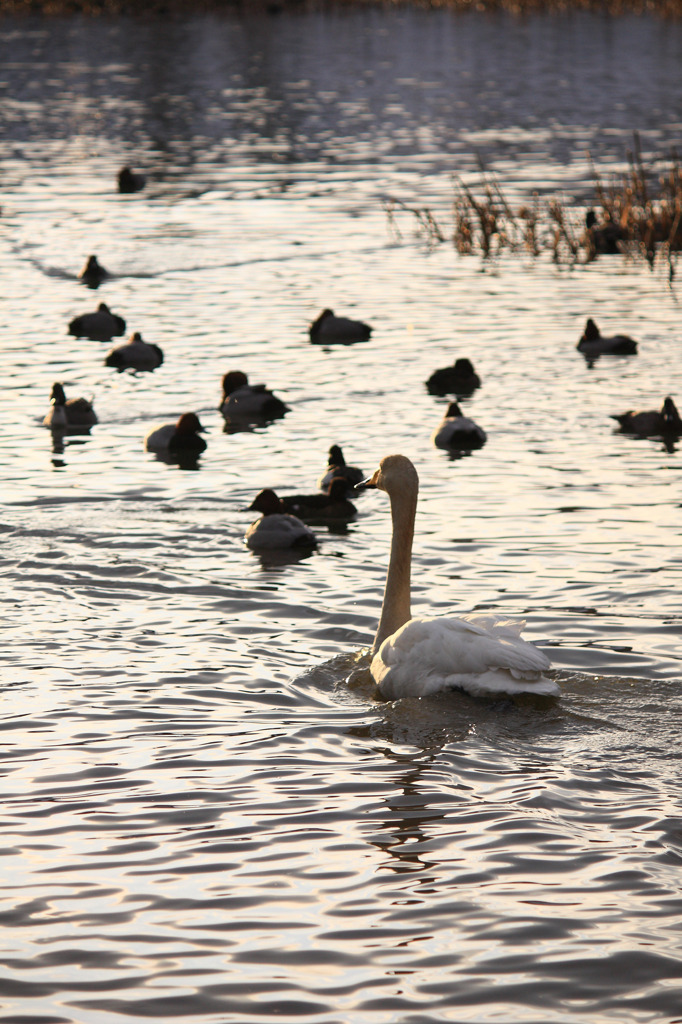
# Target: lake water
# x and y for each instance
(202, 819)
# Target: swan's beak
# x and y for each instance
(364, 485)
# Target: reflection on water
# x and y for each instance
(207, 811)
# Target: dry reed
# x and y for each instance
(637, 215)
(661, 8)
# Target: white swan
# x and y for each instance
(481, 654)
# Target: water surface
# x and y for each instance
(202, 819)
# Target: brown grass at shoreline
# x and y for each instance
(146, 8)
(637, 215)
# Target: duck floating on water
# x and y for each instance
(593, 343)
(129, 182)
(136, 354)
(414, 657)
(276, 529)
(180, 439)
(93, 273)
(246, 403)
(337, 467)
(332, 506)
(69, 413)
(456, 432)
(458, 379)
(605, 238)
(663, 422)
(102, 325)
(329, 329)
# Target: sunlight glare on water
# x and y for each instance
(207, 813)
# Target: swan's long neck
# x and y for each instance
(395, 610)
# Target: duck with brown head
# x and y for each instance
(458, 379)
(248, 403)
(276, 529)
(102, 325)
(180, 439)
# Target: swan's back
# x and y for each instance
(480, 654)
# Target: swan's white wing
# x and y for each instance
(479, 654)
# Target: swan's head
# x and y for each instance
(135, 338)
(453, 410)
(395, 475)
(233, 380)
(103, 308)
(189, 424)
(266, 502)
